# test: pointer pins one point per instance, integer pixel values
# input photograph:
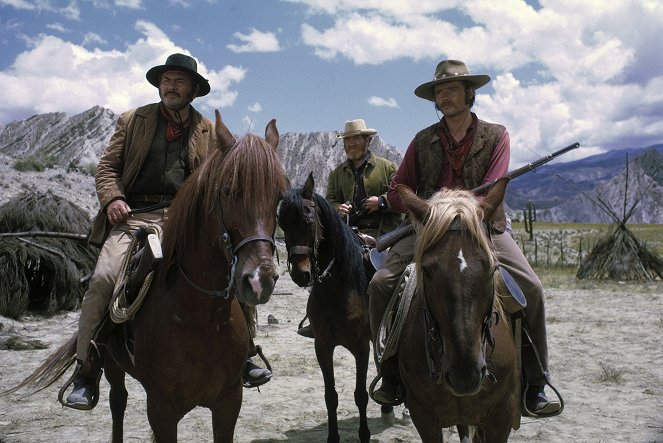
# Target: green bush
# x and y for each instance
(35, 163)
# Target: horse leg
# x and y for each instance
(163, 418)
(325, 356)
(361, 395)
(464, 433)
(224, 415)
(117, 396)
(426, 422)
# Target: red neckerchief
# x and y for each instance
(457, 151)
(174, 128)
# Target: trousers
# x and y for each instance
(99, 293)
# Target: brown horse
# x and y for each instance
(324, 253)
(457, 357)
(190, 335)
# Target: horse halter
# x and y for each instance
(433, 342)
(231, 252)
(311, 217)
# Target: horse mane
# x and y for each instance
(445, 206)
(339, 239)
(250, 165)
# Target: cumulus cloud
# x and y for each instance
(93, 38)
(255, 41)
(38, 81)
(385, 102)
(563, 71)
(256, 107)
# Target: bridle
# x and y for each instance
(231, 252)
(311, 217)
(433, 342)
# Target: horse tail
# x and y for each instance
(50, 370)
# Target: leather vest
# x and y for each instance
(430, 158)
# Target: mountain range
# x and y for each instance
(561, 191)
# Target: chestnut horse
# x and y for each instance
(324, 253)
(457, 358)
(190, 336)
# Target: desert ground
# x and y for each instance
(605, 345)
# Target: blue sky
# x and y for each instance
(562, 70)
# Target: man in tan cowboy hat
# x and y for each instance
(357, 188)
(460, 152)
(134, 173)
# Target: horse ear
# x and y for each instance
(417, 206)
(226, 139)
(308, 187)
(494, 198)
(272, 134)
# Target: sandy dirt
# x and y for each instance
(606, 353)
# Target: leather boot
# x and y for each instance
(84, 396)
(390, 392)
(538, 403)
(254, 375)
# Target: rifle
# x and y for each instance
(388, 239)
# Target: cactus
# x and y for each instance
(529, 217)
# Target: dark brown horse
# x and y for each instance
(191, 338)
(457, 357)
(324, 253)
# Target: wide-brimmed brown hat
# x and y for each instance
(179, 62)
(356, 127)
(449, 71)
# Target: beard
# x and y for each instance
(356, 154)
(173, 100)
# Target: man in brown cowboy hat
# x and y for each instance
(357, 188)
(460, 152)
(136, 172)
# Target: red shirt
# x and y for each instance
(408, 171)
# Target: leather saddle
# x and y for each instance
(373, 258)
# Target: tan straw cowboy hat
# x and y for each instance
(449, 71)
(356, 127)
(179, 62)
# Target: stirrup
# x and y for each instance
(523, 397)
(371, 391)
(95, 391)
(254, 384)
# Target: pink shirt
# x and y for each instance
(408, 171)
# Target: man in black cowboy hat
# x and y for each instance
(460, 152)
(154, 148)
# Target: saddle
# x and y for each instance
(373, 258)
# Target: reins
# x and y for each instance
(312, 252)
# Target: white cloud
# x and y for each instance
(131, 4)
(70, 11)
(59, 27)
(39, 82)
(564, 71)
(93, 38)
(255, 41)
(255, 107)
(379, 101)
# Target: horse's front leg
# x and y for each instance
(361, 395)
(163, 418)
(225, 414)
(325, 356)
(117, 396)
(425, 420)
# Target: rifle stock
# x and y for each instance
(388, 239)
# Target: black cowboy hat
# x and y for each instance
(179, 62)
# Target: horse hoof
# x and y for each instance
(388, 418)
(406, 415)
